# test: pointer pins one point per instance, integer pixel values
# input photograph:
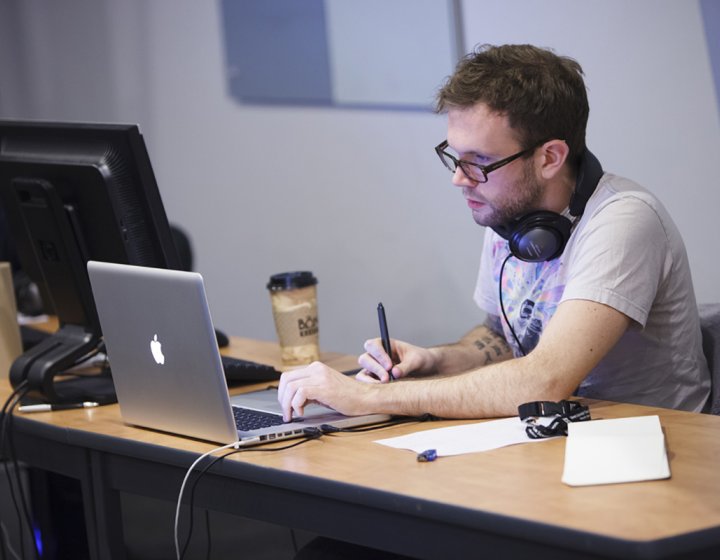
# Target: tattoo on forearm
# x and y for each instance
(490, 344)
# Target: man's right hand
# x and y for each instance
(407, 359)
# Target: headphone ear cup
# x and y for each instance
(539, 236)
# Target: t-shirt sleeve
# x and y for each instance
(619, 258)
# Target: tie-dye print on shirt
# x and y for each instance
(530, 294)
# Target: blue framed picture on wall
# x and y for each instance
(383, 54)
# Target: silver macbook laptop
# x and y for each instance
(166, 365)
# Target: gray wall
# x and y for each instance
(361, 199)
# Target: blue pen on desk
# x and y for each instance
(427, 456)
(384, 336)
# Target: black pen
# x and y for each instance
(49, 407)
(384, 336)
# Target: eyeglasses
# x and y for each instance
(474, 171)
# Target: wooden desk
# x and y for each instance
(506, 503)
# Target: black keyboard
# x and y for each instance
(237, 369)
(247, 419)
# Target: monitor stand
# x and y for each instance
(51, 358)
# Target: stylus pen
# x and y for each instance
(384, 336)
(49, 407)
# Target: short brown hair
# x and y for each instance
(542, 94)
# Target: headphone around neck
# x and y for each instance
(542, 235)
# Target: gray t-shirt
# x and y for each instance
(626, 253)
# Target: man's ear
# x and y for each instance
(553, 155)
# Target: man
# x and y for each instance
(604, 309)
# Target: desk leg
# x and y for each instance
(110, 542)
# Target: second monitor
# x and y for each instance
(74, 192)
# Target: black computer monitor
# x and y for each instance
(72, 193)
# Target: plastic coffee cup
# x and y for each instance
(294, 304)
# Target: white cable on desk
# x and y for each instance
(182, 489)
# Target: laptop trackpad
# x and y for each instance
(266, 400)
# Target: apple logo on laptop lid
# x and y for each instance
(156, 350)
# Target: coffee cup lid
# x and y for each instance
(291, 280)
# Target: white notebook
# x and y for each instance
(614, 451)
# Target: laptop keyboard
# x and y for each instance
(237, 369)
(247, 419)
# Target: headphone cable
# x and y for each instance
(502, 306)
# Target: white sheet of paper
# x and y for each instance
(614, 451)
(468, 438)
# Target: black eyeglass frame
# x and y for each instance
(484, 169)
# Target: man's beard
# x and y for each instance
(526, 196)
